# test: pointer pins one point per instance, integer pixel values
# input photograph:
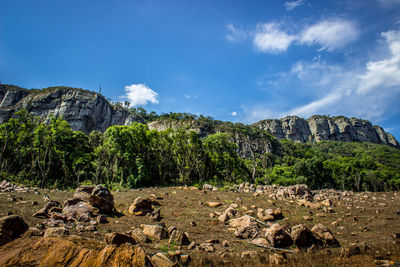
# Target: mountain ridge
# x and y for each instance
(89, 111)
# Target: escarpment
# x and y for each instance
(88, 111)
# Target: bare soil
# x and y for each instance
(366, 221)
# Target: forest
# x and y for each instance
(52, 155)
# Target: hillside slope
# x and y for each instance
(88, 111)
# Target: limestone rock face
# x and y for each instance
(88, 111)
(318, 128)
(84, 110)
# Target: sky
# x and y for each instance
(240, 61)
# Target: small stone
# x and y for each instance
(225, 243)
(101, 219)
(353, 249)
(161, 260)
(55, 231)
(118, 239)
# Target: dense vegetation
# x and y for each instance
(53, 155)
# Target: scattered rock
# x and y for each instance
(155, 231)
(139, 236)
(44, 212)
(244, 221)
(353, 249)
(302, 236)
(278, 237)
(11, 227)
(228, 214)
(160, 260)
(55, 231)
(261, 242)
(118, 239)
(214, 204)
(179, 238)
(141, 207)
(323, 233)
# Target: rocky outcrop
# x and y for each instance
(88, 111)
(84, 110)
(318, 128)
(70, 251)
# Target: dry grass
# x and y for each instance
(180, 207)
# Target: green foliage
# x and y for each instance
(53, 155)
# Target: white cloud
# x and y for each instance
(270, 39)
(234, 113)
(235, 34)
(370, 91)
(330, 34)
(384, 73)
(140, 94)
(290, 5)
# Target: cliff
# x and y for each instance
(88, 111)
(317, 128)
(84, 110)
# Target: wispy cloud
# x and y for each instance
(384, 73)
(330, 34)
(271, 39)
(140, 94)
(369, 91)
(235, 34)
(290, 5)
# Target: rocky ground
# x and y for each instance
(186, 226)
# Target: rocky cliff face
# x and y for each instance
(84, 110)
(317, 128)
(88, 111)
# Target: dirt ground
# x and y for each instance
(368, 221)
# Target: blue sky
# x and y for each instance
(241, 61)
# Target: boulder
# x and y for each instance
(179, 238)
(208, 187)
(102, 199)
(244, 221)
(325, 235)
(118, 239)
(79, 210)
(160, 260)
(55, 231)
(261, 242)
(11, 227)
(228, 214)
(302, 236)
(278, 237)
(141, 206)
(69, 251)
(353, 249)
(44, 212)
(246, 232)
(97, 196)
(214, 204)
(156, 232)
(139, 236)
